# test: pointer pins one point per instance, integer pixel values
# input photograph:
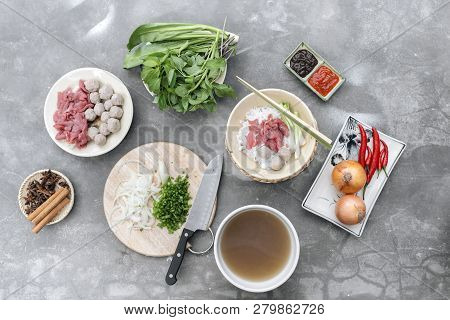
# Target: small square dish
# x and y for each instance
(303, 61)
(324, 81)
(322, 196)
(314, 71)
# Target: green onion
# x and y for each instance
(172, 207)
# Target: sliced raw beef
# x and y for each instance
(270, 132)
(69, 116)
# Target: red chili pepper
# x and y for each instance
(386, 154)
(369, 157)
(375, 154)
(363, 147)
(386, 157)
(380, 160)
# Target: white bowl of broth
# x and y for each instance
(257, 248)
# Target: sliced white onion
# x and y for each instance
(134, 198)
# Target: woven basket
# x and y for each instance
(257, 173)
(248, 174)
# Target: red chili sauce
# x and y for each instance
(323, 80)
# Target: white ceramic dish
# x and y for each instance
(71, 79)
(322, 196)
(249, 167)
(320, 62)
(266, 285)
(35, 176)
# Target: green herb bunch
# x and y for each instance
(180, 63)
(172, 207)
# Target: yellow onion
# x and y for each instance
(350, 209)
(349, 176)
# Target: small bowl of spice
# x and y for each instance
(314, 71)
(46, 197)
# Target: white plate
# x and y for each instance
(321, 198)
(71, 79)
(36, 176)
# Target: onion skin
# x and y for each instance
(349, 176)
(350, 209)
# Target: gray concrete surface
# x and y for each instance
(396, 57)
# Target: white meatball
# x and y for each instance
(92, 132)
(276, 163)
(113, 125)
(105, 116)
(90, 115)
(116, 112)
(92, 85)
(108, 104)
(106, 92)
(103, 128)
(94, 97)
(99, 108)
(117, 99)
(100, 139)
(265, 152)
(285, 153)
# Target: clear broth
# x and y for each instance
(255, 245)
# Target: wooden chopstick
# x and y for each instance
(319, 136)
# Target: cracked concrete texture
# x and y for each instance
(396, 58)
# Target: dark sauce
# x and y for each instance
(303, 62)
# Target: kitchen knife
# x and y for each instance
(199, 214)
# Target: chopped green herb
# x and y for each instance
(172, 207)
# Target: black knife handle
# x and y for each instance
(177, 259)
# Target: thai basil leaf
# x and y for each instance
(199, 60)
(216, 63)
(151, 61)
(170, 75)
(178, 62)
(214, 74)
(181, 91)
(193, 70)
(198, 96)
(223, 90)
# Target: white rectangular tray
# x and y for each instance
(322, 196)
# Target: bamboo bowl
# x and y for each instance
(249, 167)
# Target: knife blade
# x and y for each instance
(199, 214)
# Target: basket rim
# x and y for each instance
(293, 175)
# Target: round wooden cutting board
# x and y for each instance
(155, 242)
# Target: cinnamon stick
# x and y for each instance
(36, 212)
(51, 215)
(51, 205)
